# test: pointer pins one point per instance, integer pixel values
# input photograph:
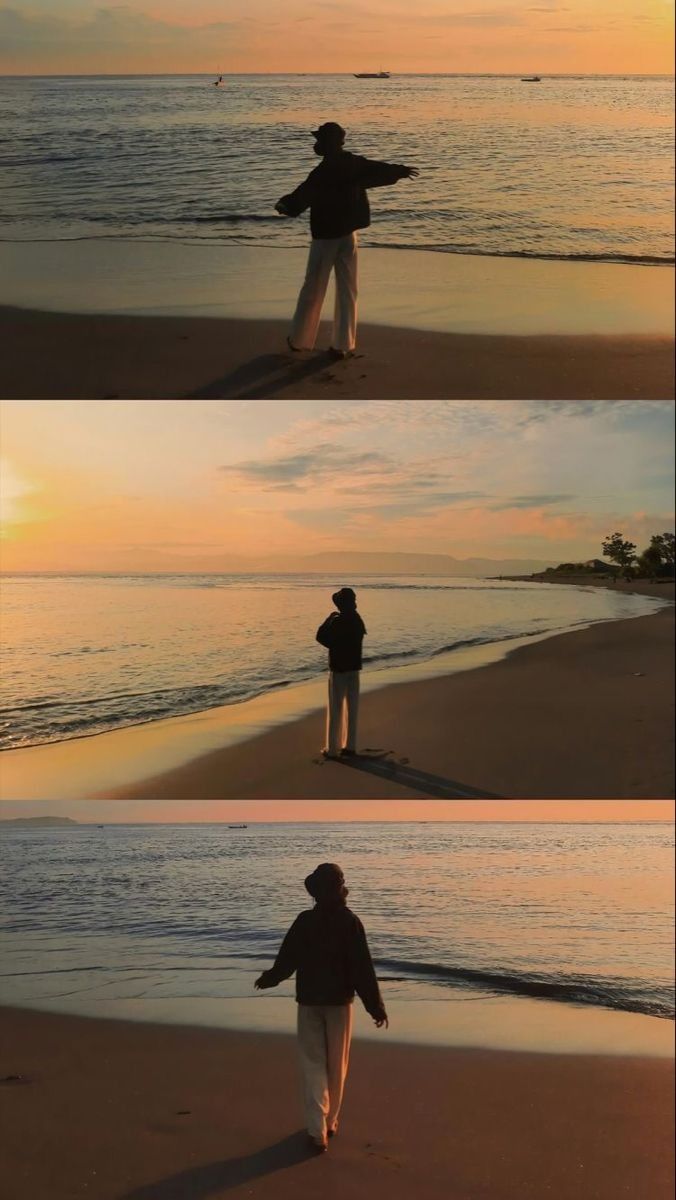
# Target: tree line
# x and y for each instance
(657, 560)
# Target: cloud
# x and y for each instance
(534, 501)
(323, 462)
(95, 37)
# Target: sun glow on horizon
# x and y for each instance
(14, 487)
(167, 37)
(213, 486)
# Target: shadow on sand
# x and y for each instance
(212, 1179)
(422, 781)
(262, 377)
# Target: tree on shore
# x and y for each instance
(664, 544)
(620, 552)
(658, 557)
(656, 560)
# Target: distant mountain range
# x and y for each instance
(336, 562)
(364, 563)
(39, 821)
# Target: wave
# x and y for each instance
(70, 719)
(611, 257)
(628, 995)
(602, 256)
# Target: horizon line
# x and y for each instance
(349, 74)
(365, 821)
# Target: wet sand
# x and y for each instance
(51, 355)
(122, 1111)
(587, 715)
(583, 715)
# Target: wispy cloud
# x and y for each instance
(323, 462)
(534, 501)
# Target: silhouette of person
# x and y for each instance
(335, 193)
(342, 633)
(327, 949)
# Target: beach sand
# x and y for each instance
(586, 715)
(50, 355)
(134, 319)
(582, 715)
(121, 1111)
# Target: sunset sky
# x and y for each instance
(158, 36)
(205, 485)
(180, 811)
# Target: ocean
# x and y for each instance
(108, 920)
(84, 654)
(574, 167)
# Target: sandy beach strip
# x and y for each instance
(587, 715)
(122, 1111)
(50, 355)
(583, 715)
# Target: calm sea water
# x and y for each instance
(573, 167)
(81, 655)
(580, 914)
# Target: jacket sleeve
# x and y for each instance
(296, 202)
(287, 959)
(323, 635)
(363, 974)
(379, 174)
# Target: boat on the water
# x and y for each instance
(219, 82)
(531, 79)
(373, 75)
(238, 826)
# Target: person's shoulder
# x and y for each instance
(352, 918)
(354, 163)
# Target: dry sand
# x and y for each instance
(66, 356)
(120, 1111)
(587, 715)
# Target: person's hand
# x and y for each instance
(261, 982)
(411, 172)
(279, 207)
(381, 1020)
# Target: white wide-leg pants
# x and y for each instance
(324, 1034)
(327, 255)
(343, 711)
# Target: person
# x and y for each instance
(342, 633)
(335, 193)
(327, 949)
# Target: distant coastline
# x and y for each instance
(49, 821)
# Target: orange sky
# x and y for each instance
(179, 811)
(190, 485)
(566, 36)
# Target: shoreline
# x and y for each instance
(462, 1019)
(525, 758)
(53, 355)
(140, 320)
(124, 1111)
(268, 748)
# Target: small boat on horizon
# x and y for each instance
(531, 79)
(373, 75)
(238, 826)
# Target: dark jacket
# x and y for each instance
(326, 946)
(343, 634)
(335, 193)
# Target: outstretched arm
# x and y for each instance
(296, 202)
(380, 174)
(285, 963)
